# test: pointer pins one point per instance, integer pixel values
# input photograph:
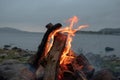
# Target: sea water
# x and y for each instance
(85, 43)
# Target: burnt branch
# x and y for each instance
(42, 46)
(53, 57)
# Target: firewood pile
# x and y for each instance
(49, 64)
(55, 60)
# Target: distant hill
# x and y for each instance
(114, 31)
(13, 30)
(7, 29)
(110, 31)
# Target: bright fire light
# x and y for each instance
(70, 31)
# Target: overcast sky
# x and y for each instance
(33, 15)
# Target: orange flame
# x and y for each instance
(70, 33)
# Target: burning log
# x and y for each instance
(82, 67)
(56, 60)
(53, 58)
(50, 68)
(41, 49)
(76, 67)
(68, 75)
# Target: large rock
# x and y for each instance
(109, 49)
(13, 70)
(104, 75)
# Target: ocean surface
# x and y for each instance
(86, 43)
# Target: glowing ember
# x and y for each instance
(70, 33)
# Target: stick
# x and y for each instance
(42, 46)
(53, 58)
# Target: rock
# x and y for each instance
(117, 74)
(2, 78)
(8, 70)
(6, 47)
(17, 55)
(17, 49)
(3, 55)
(103, 75)
(109, 49)
(16, 71)
(14, 48)
(26, 74)
(95, 60)
(27, 55)
(11, 67)
(10, 62)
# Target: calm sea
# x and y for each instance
(81, 42)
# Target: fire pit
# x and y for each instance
(55, 60)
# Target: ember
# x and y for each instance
(55, 60)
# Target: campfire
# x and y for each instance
(55, 60)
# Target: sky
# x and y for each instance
(33, 15)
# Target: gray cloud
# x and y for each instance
(33, 14)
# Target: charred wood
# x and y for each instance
(68, 75)
(42, 46)
(53, 58)
(80, 75)
(82, 67)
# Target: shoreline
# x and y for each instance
(19, 57)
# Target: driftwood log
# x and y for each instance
(41, 49)
(53, 58)
(78, 69)
(48, 66)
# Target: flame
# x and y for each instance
(66, 56)
(71, 32)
